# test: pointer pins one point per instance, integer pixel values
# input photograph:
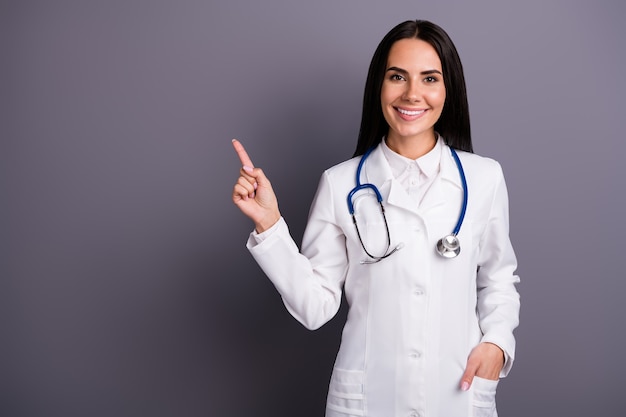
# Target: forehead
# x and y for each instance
(413, 54)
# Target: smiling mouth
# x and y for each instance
(410, 112)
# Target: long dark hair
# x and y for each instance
(453, 124)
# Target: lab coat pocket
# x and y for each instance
(484, 397)
(345, 394)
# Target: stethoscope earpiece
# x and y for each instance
(449, 246)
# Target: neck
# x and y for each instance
(412, 148)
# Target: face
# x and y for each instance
(413, 93)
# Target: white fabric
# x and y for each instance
(415, 176)
(414, 317)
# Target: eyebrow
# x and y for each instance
(403, 71)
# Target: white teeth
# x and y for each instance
(411, 113)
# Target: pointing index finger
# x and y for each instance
(243, 155)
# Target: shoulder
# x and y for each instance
(484, 175)
(334, 185)
(480, 167)
(343, 171)
(337, 180)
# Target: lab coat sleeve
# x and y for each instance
(498, 301)
(310, 282)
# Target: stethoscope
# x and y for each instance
(448, 246)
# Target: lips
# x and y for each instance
(410, 115)
(410, 112)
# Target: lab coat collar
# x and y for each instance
(378, 172)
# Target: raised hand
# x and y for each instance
(253, 193)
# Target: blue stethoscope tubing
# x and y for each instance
(448, 246)
(459, 222)
(360, 186)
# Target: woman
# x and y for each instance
(426, 335)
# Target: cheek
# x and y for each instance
(386, 99)
(385, 96)
(390, 93)
(438, 98)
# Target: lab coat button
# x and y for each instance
(419, 291)
(415, 354)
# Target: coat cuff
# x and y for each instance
(507, 348)
(257, 238)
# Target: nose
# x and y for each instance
(412, 92)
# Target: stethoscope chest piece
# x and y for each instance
(449, 246)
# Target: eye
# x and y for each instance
(396, 77)
(431, 79)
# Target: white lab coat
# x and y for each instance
(414, 317)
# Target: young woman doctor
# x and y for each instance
(430, 322)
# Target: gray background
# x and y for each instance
(125, 286)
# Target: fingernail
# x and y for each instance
(465, 386)
(247, 168)
(255, 185)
